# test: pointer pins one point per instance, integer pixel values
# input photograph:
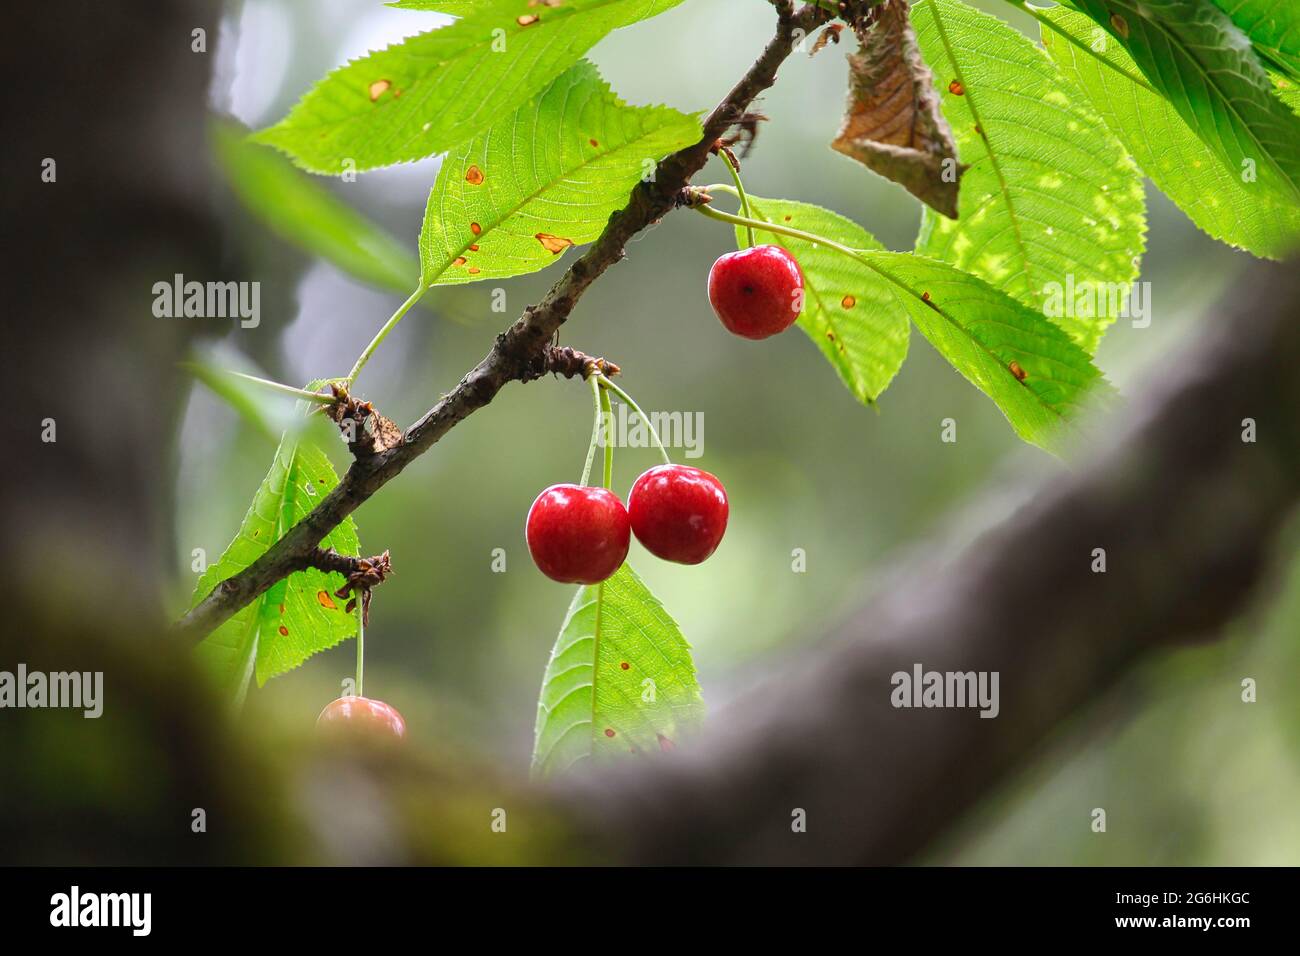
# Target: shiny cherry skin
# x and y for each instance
(678, 513)
(578, 534)
(756, 292)
(362, 716)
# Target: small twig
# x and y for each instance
(363, 574)
(568, 362)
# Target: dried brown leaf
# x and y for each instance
(893, 124)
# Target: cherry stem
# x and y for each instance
(627, 400)
(855, 254)
(382, 334)
(734, 169)
(302, 393)
(361, 639)
(594, 379)
(607, 415)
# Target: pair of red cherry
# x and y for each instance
(580, 535)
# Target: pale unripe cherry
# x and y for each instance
(361, 716)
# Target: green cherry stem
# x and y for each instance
(608, 416)
(627, 400)
(854, 254)
(595, 430)
(361, 640)
(740, 189)
(382, 334)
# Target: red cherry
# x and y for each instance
(679, 513)
(756, 292)
(577, 534)
(363, 716)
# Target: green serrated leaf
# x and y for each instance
(620, 679)
(1164, 146)
(435, 90)
(1035, 373)
(1195, 57)
(1039, 378)
(299, 616)
(457, 8)
(848, 313)
(301, 212)
(1050, 194)
(515, 198)
(1273, 27)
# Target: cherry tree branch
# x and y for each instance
(516, 353)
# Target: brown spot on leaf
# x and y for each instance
(553, 244)
(1120, 25)
(1017, 371)
(925, 296)
(788, 218)
(848, 302)
(474, 176)
(458, 261)
(281, 608)
(527, 20)
(609, 731)
(377, 89)
(284, 631)
(474, 247)
(625, 665)
(474, 270)
(325, 601)
(956, 89)
(593, 142)
(476, 229)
